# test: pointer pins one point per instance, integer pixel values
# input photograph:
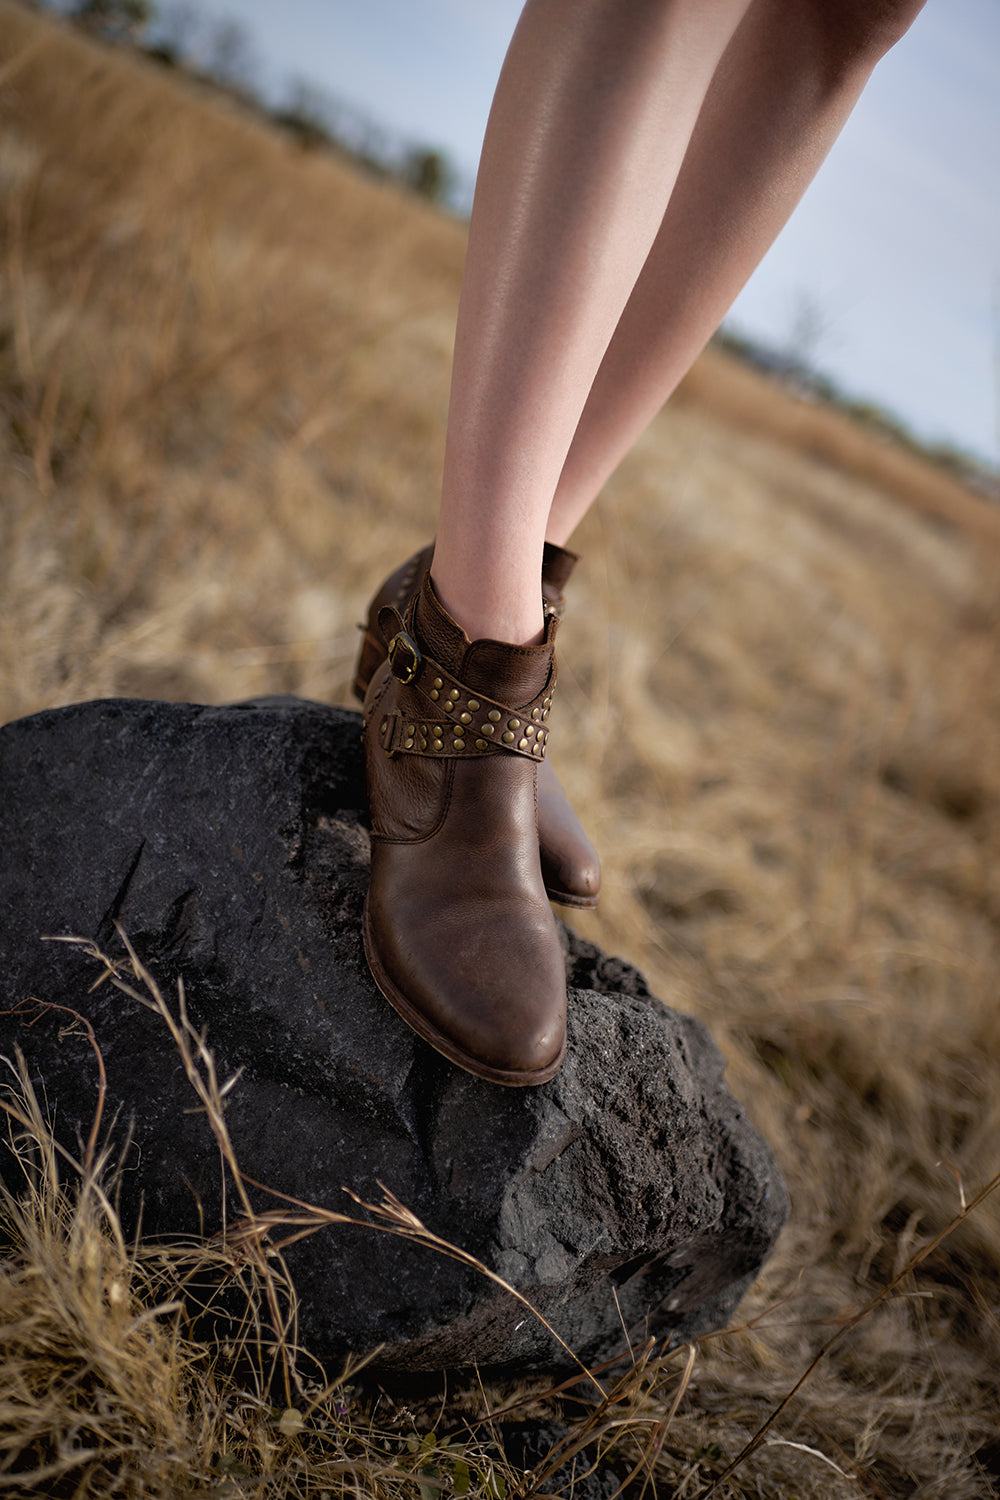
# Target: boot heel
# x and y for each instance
(370, 658)
(397, 590)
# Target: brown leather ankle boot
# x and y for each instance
(458, 932)
(571, 868)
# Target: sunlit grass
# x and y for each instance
(173, 1369)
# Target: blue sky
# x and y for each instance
(895, 250)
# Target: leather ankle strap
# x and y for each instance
(401, 733)
(453, 719)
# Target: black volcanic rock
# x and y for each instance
(232, 847)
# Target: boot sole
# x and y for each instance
(419, 1023)
(582, 903)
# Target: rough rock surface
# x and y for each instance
(231, 845)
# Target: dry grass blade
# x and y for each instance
(640, 1390)
(394, 1216)
(850, 1321)
(30, 1010)
(92, 1367)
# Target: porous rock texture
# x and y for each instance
(230, 844)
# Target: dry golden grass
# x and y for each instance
(223, 376)
(112, 1387)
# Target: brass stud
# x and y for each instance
(482, 744)
(423, 744)
(473, 705)
(465, 718)
(438, 729)
(411, 728)
(434, 694)
(453, 694)
(507, 737)
(494, 715)
(513, 723)
(439, 744)
(522, 744)
(459, 745)
(408, 744)
(536, 748)
(383, 726)
(437, 683)
(535, 714)
(487, 729)
(530, 730)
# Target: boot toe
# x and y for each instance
(490, 997)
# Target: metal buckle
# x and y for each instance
(404, 670)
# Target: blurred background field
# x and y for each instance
(224, 366)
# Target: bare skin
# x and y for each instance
(640, 158)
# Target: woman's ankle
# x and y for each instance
(497, 595)
(501, 615)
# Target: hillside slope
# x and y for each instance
(223, 382)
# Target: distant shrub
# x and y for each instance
(123, 20)
(309, 115)
(309, 133)
(429, 173)
(163, 53)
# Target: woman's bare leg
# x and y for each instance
(780, 96)
(591, 120)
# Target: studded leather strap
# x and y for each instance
(459, 721)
